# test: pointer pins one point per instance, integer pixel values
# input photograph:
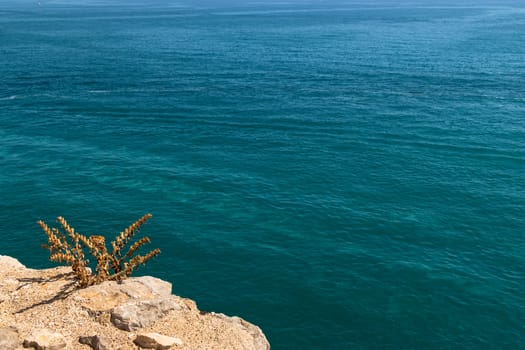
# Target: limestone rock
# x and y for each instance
(135, 315)
(35, 299)
(45, 339)
(110, 294)
(8, 338)
(141, 287)
(259, 339)
(156, 341)
(96, 342)
(7, 262)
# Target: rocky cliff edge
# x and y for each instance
(45, 310)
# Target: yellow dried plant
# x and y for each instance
(69, 248)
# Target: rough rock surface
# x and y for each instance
(140, 314)
(110, 294)
(8, 338)
(39, 299)
(45, 339)
(156, 341)
(96, 342)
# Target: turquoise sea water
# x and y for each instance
(345, 176)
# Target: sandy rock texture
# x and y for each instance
(45, 309)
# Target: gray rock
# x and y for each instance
(156, 341)
(8, 338)
(146, 285)
(45, 339)
(96, 342)
(139, 314)
(110, 294)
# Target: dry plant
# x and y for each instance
(69, 248)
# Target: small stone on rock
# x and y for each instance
(96, 342)
(156, 341)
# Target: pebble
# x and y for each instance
(156, 341)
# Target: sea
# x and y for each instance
(345, 175)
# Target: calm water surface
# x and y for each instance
(345, 176)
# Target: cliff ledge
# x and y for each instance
(45, 310)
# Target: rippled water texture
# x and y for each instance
(344, 176)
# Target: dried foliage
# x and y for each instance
(69, 247)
